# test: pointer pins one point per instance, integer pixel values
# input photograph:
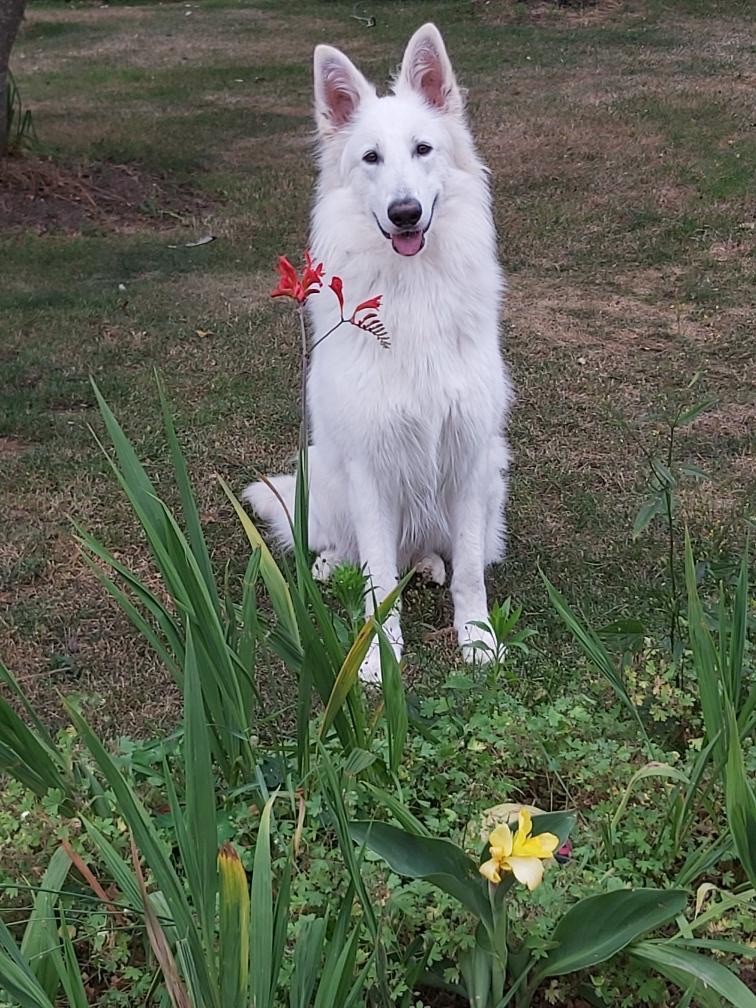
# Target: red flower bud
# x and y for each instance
(338, 289)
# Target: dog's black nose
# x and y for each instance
(405, 213)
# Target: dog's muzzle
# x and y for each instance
(405, 214)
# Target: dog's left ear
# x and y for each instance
(427, 70)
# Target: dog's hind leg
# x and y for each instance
(496, 526)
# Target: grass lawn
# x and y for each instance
(618, 138)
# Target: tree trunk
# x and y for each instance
(11, 13)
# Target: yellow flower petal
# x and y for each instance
(541, 846)
(524, 823)
(490, 870)
(528, 870)
(501, 838)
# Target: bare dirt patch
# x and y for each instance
(38, 194)
(569, 12)
(10, 447)
(175, 34)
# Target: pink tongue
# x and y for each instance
(408, 244)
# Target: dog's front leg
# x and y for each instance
(376, 525)
(468, 551)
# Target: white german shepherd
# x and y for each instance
(408, 463)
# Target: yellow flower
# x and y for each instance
(522, 854)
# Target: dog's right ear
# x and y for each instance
(339, 89)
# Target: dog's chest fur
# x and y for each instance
(420, 407)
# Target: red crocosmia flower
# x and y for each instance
(373, 302)
(337, 287)
(312, 276)
(290, 285)
(287, 279)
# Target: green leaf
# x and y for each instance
(705, 658)
(337, 973)
(201, 824)
(307, 954)
(233, 927)
(598, 927)
(188, 504)
(688, 469)
(397, 809)
(262, 983)
(133, 478)
(152, 846)
(68, 968)
(663, 474)
(561, 824)
(439, 861)
(627, 634)
(19, 982)
(394, 702)
(475, 965)
(594, 650)
(738, 635)
(694, 412)
(349, 671)
(663, 770)
(357, 761)
(740, 800)
(671, 961)
(648, 511)
(278, 589)
(333, 788)
(29, 756)
(37, 939)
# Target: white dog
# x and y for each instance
(408, 461)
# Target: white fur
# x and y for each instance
(408, 454)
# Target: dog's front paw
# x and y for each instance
(370, 670)
(477, 643)
(325, 564)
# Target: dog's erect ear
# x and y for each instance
(339, 89)
(427, 70)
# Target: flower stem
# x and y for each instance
(326, 335)
(303, 379)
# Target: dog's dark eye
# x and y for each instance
(371, 157)
(423, 149)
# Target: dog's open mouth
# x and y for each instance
(408, 243)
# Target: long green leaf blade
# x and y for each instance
(705, 658)
(278, 589)
(594, 650)
(37, 941)
(200, 792)
(188, 503)
(234, 917)
(740, 800)
(671, 960)
(261, 938)
(598, 927)
(439, 861)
